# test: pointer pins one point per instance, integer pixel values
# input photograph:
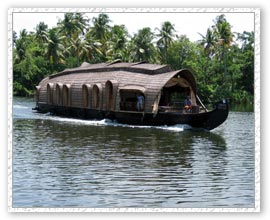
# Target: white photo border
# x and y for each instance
(257, 64)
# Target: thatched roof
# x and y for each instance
(149, 78)
(143, 74)
(140, 67)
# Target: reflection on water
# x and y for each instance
(243, 107)
(63, 163)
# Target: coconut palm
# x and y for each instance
(67, 26)
(165, 39)
(100, 29)
(224, 38)
(41, 32)
(84, 50)
(99, 34)
(23, 34)
(208, 42)
(81, 22)
(142, 48)
(94, 53)
(117, 43)
(54, 47)
(21, 46)
(73, 26)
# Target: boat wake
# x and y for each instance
(108, 122)
(25, 112)
(21, 111)
(20, 107)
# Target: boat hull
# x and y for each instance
(205, 120)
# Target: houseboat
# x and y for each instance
(130, 93)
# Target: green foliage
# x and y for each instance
(117, 44)
(222, 62)
(165, 39)
(142, 47)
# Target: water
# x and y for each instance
(60, 162)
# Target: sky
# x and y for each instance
(189, 24)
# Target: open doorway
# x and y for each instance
(174, 96)
(132, 100)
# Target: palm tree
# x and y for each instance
(83, 49)
(67, 26)
(94, 53)
(21, 46)
(101, 27)
(166, 35)
(81, 22)
(54, 47)
(41, 32)
(99, 32)
(23, 34)
(142, 48)
(73, 26)
(76, 47)
(224, 38)
(208, 42)
(117, 43)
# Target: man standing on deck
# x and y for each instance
(140, 102)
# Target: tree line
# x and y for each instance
(222, 61)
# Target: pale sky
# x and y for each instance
(189, 24)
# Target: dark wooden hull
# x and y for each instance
(206, 120)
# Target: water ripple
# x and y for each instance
(61, 162)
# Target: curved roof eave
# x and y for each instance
(184, 73)
(189, 76)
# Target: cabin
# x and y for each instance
(115, 86)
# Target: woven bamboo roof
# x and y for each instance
(150, 79)
(140, 67)
(149, 76)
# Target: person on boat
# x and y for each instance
(187, 103)
(140, 102)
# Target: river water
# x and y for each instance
(59, 162)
